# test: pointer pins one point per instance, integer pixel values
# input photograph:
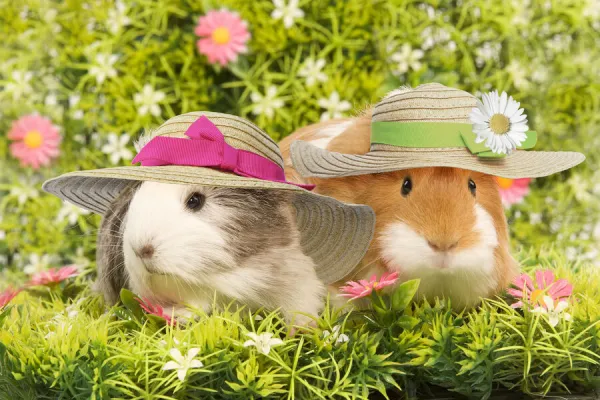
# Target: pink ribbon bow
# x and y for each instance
(207, 148)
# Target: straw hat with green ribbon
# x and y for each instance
(213, 149)
(434, 125)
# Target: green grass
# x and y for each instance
(54, 345)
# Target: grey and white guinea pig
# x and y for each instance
(180, 244)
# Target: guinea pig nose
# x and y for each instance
(442, 246)
(146, 251)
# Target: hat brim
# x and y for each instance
(311, 161)
(335, 235)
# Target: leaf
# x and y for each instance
(404, 294)
(407, 322)
(129, 300)
(4, 313)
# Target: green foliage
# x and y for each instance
(51, 347)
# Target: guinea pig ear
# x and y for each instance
(110, 260)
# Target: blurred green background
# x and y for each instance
(103, 71)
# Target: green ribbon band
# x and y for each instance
(437, 134)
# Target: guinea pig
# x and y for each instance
(444, 226)
(181, 244)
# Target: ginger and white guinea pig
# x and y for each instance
(445, 226)
(181, 244)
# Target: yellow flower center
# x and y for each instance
(220, 35)
(499, 124)
(504, 183)
(33, 139)
(537, 296)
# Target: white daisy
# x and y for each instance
(288, 12)
(116, 148)
(335, 335)
(311, 70)
(407, 59)
(499, 122)
(37, 263)
(19, 85)
(518, 73)
(183, 364)
(71, 213)
(24, 193)
(266, 104)
(554, 313)
(334, 106)
(148, 100)
(117, 18)
(74, 100)
(103, 68)
(262, 342)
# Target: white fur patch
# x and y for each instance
(464, 275)
(329, 133)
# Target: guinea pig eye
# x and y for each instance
(195, 201)
(472, 186)
(406, 186)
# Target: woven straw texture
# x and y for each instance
(431, 102)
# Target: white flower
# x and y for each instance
(518, 74)
(592, 9)
(554, 314)
(70, 212)
(116, 148)
(262, 342)
(19, 85)
(266, 104)
(50, 100)
(407, 59)
(148, 100)
(488, 51)
(103, 68)
(288, 12)
(311, 70)
(535, 218)
(335, 335)
(183, 364)
(432, 35)
(23, 193)
(117, 18)
(37, 263)
(73, 103)
(499, 122)
(334, 106)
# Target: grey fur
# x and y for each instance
(109, 250)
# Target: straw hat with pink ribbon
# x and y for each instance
(214, 149)
(433, 125)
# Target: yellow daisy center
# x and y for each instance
(220, 35)
(537, 296)
(499, 124)
(33, 139)
(504, 183)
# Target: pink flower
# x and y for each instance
(362, 288)
(155, 309)
(35, 139)
(513, 191)
(53, 276)
(545, 285)
(7, 296)
(224, 35)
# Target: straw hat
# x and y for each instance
(335, 235)
(436, 126)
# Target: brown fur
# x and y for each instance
(437, 206)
